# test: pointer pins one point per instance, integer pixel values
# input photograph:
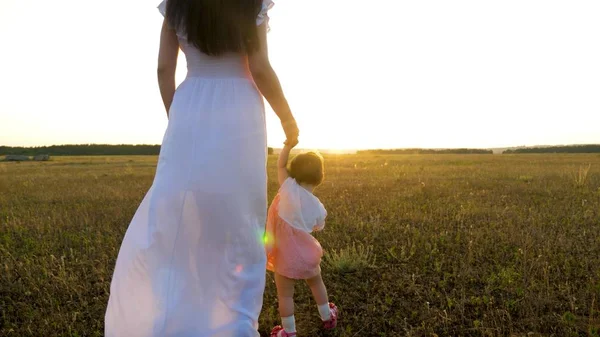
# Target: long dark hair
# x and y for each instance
(216, 26)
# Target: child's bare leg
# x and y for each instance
(285, 295)
(317, 287)
(320, 294)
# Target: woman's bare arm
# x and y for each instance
(268, 83)
(167, 64)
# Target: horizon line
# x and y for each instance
(324, 148)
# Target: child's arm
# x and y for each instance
(321, 221)
(282, 172)
(319, 226)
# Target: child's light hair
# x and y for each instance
(308, 168)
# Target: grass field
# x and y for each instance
(446, 245)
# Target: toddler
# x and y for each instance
(292, 252)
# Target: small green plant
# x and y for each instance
(568, 317)
(580, 177)
(351, 259)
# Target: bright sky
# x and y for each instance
(358, 74)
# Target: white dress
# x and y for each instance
(192, 263)
(300, 208)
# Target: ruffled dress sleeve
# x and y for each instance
(263, 15)
(162, 8)
(290, 204)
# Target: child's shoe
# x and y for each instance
(332, 322)
(278, 331)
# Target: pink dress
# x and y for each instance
(291, 249)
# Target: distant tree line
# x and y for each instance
(427, 151)
(85, 150)
(591, 148)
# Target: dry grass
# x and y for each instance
(427, 245)
(349, 260)
(581, 176)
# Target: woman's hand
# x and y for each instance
(291, 133)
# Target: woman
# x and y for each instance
(192, 261)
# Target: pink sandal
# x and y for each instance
(278, 331)
(332, 322)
